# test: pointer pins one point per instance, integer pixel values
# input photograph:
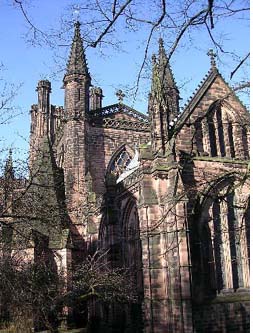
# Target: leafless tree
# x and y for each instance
(104, 23)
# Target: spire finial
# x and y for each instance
(77, 25)
(212, 56)
(161, 42)
(161, 48)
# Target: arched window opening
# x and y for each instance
(132, 250)
(224, 238)
(199, 137)
(231, 140)
(220, 132)
(245, 143)
(212, 134)
(233, 240)
(208, 261)
(120, 162)
(217, 242)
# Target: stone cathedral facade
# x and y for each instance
(166, 193)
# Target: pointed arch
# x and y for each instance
(221, 127)
(131, 243)
(120, 160)
(220, 248)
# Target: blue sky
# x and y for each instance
(26, 64)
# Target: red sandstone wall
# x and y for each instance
(103, 143)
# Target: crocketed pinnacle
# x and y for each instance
(8, 171)
(77, 60)
(166, 74)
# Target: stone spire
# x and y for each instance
(163, 102)
(77, 61)
(166, 75)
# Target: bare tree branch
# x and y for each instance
(239, 65)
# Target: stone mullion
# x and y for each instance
(215, 124)
(237, 230)
(226, 138)
(241, 240)
(212, 234)
(237, 140)
(206, 138)
(227, 266)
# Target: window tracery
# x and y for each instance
(217, 134)
(224, 245)
(120, 162)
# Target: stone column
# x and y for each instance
(215, 123)
(227, 267)
(206, 139)
(184, 266)
(241, 241)
(226, 135)
(237, 133)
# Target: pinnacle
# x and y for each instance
(161, 43)
(77, 61)
(9, 165)
(164, 65)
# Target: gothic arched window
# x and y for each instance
(245, 142)
(231, 139)
(120, 161)
(212, 134)
(223, 259)
(199, 136)
(221, 130)
(131, 244)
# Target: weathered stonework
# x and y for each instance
(179, 221)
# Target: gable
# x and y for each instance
(212, 89)
(119, 116)
(214, 123)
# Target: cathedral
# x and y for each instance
(166, 194)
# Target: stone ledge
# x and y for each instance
(220, 160)
(230, 298)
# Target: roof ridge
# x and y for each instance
(211, 74)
